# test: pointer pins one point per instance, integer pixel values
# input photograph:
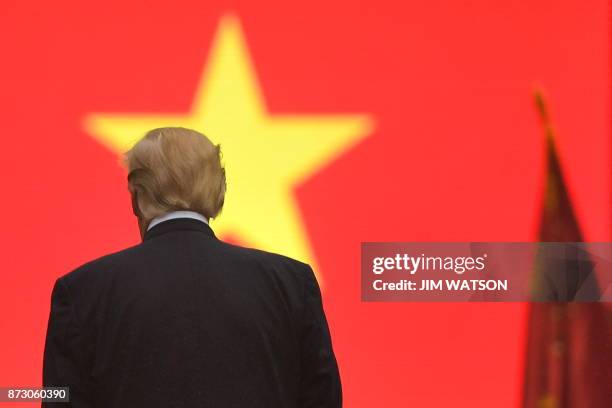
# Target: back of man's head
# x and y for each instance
(173, 169)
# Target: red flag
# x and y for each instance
(569, 350)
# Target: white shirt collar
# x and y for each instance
(177, 214)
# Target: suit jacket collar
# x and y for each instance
(179, 224)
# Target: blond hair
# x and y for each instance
(175, 168)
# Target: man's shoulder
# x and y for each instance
(265, 258)
(265, 266)
(101, 266)
(131, 258)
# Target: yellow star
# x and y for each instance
(266, 156)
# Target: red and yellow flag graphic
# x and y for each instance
(340, 122)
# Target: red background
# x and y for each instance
(457, 154)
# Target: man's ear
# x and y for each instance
(135, 207)
(138, 214)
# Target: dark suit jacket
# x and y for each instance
(186, 320)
